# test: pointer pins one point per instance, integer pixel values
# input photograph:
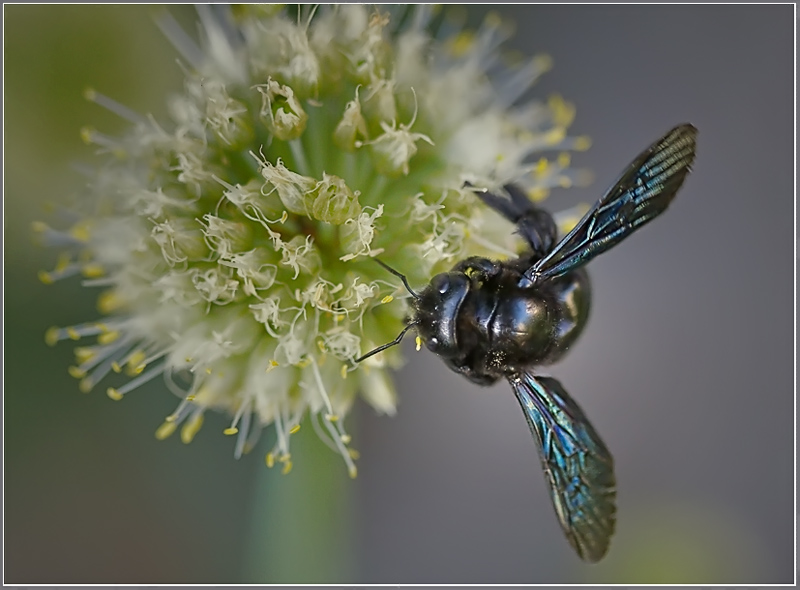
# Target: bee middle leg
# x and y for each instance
(534, 224)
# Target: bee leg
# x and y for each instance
(534, 224)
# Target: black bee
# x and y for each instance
(489, 319)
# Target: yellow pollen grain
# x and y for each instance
(270, 460)
(387, 299)
(73, 333)
(287, 467)
(76, 372)
(114, 394)
(418, 342)
(108, 337)
(86, 385)
(230, 431)
(354, 454)
(45, 277)
(208, 370)
(346, 438)
(294, 429)
(191, 428)
(51, 336)
(165, 430)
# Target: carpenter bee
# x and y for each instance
(490, 319)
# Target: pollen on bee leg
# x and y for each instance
(418, 342)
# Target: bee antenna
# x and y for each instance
(387, 345)
(401, 276)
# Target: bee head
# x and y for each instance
(437, 310)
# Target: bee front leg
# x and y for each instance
(535, 225)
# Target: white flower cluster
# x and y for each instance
(233, 245)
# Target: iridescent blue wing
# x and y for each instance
(642, 193)
(578, 466)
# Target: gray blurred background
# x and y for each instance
(686, 367)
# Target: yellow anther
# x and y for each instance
(541, 167)
(108, 301)
(171, 418)
(188, 359)
(190, 397)
(294, 429)
(73, 333)
(538, 194)
(108, 337)
(331, 417)
(137, 370)
(63, 263)
(92, 271)
(287, 467)
(354, 454)
(83, 354)
(270, 460)
(564, 182)
(343, 371)
(89, 93)
(51, 336)
(114, 394)
(76, 372)
(387, 299)
(285, 457)
(284, 216)
(583, 143)
(208, 370)
(555, 135)
(80, 232)
(321, 345)
(191, 428)
(346, 438)
(418, 342)
(230, 431)
(39, 227)
(462, 43)
(46, 278)
(115, 367)
(353, 472)
(86, 134)
(86, 385)
(564, 159)
(303, 363)
(137, 358)
(165, 430)
(272, 364)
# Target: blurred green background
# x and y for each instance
(448, 491)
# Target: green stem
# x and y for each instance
(301, 523)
